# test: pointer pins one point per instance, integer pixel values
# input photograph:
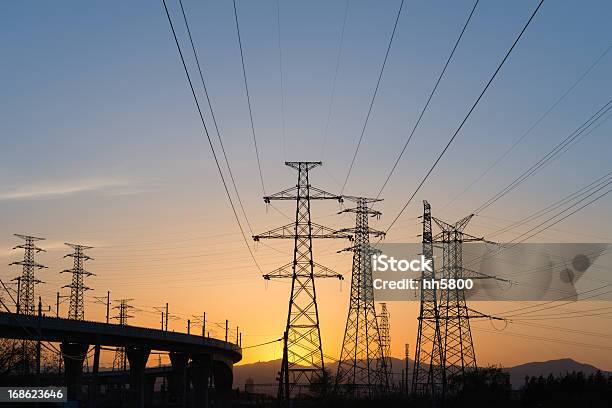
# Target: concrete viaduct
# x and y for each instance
(209, 361)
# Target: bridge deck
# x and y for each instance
(54, 329)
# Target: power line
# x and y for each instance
(547, 339)
(551, 155)
(554, 305)
(212, 113)
(263, 344)
(246, 87)
(467, 115)
(433, 91)
(553, 206)
(195, 98)
(531, 128)
(567, 215)
(7, 291)
(333, 90)
(382, 70)
(514, 243)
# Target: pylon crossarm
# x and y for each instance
(29, 263)
(81, 256)
(286, 271)
(362, 199)
(287, 194)
(324, 272)
(321, 231)
(471, 238)
(443, 225)
(371, 212)
(288, 232)
(80, 272)
(318, 194)
(371, 250)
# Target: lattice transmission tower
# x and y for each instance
(428, 375)
(120, 361)
(77, 287)
(302, 363)
(459, 354)
(385, 340)
(27, 280)
(362, 368)
(444, 339)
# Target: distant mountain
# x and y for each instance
(264, 373)
(544, 368)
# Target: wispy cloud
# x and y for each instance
(59, 189)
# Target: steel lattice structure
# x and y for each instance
(77, 286)
(120, 360)
(428, 375)
(385, 342)
(362, 368)
(27, 280)
(459, 354)
(302, 362)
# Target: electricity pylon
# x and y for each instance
(302, 362)
(444, 339)
(120, 360)
(362, 368)
(77, 286)
(428, 375)
(27, 280)
(459, 354)
(385, 340)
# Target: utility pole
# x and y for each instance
(166, 316)
(226, 327)
(38, 344)
(302, 362)
(27, 280)
(406, 368)
(107, 305)
(18, 279)
(363, 370)
(203, 324)
(77, 286)
(57, 302)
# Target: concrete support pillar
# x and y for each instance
(149, 390)
(73, 355)
(94, 387)
(201, 366)
(178, 380)
(137, 356)
(223, 379)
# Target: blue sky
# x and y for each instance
(101, 141)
